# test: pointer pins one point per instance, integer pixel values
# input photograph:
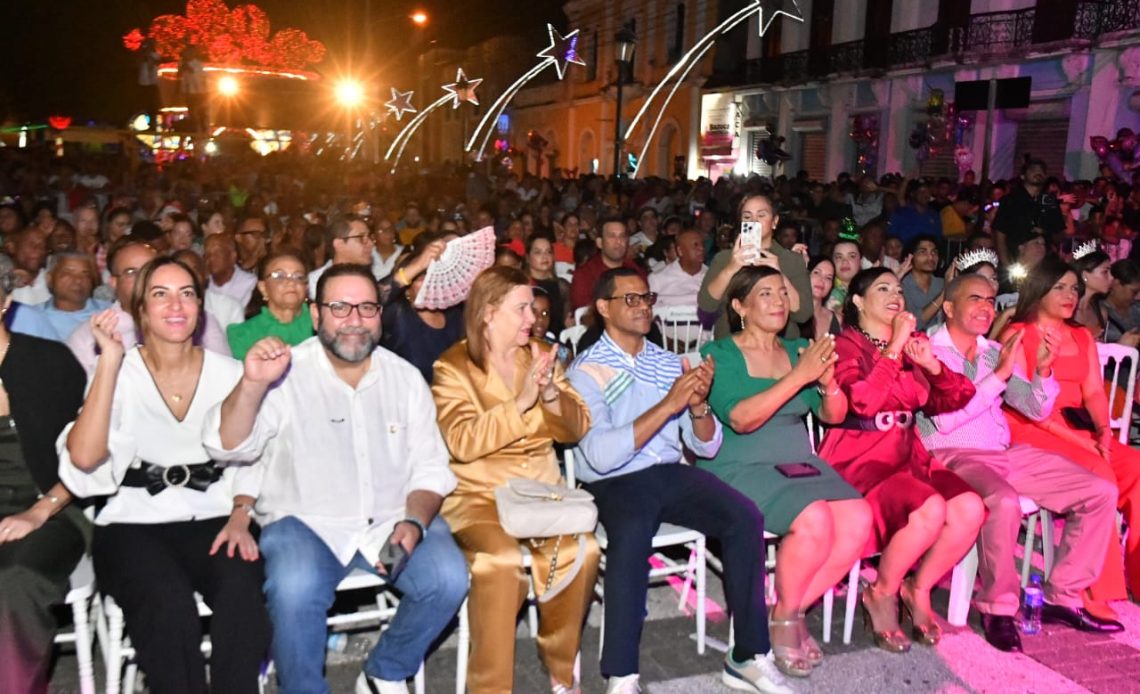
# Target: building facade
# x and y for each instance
(859, 77)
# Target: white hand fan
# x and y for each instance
(449, 278)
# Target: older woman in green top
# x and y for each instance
(282, 283)
(763, 388)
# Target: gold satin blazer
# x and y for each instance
(489, 441)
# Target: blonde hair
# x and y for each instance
(490, 288)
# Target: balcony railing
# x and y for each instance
(988, 34)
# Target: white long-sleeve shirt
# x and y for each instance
(341, 460)
(981, 423)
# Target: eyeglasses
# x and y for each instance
(130, 272)
(632, 299)
(342, 309)
(366, 237)
(282, 276)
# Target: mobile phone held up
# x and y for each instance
(750, 239)
(393, 557)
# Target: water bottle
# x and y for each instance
(1031, 607)
(337, 642)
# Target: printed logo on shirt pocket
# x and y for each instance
(397, 432)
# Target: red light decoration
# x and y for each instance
(240, 35)
(59, 122)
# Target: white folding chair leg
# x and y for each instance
(852, 597)
(418, 681)
(1047, 547)
(113, 650)
(701, 595)
(462, 647)
(81, 616)
(828, 604)
(962, 588)
(1030, 536)
(690, 571)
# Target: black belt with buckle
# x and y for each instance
(155, 478)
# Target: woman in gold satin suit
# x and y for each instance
(503, 401)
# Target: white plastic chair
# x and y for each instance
(572, 336)
(119, 653)
(580, 313)
(1004, 301)
(681, 329)
(1113, 356)
(668, 535)
(80, 598)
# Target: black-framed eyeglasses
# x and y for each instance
(356, 236)
(342, 309)
(631, 299)
(282, 276)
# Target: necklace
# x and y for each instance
(176, 398)
(881, 344)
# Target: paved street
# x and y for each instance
(1056, 661)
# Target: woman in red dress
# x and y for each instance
(922, 510)
(1078, 426)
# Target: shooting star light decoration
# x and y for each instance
(400, 103)
(462, 90)
(766, 10)
(562, 51)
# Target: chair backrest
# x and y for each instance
(694, 359)
(1113, 356)
(572, 336)
(1004, 301)
(680, 328)
(579, 313)
(568, 457)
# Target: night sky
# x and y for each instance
(67, 56)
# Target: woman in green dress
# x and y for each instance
(763, 388)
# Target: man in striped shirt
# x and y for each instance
(974, 442)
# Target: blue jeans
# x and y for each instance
(301, 578)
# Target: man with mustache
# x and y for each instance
(344, 457)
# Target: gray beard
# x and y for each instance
(333, 343)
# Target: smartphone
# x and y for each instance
(797, 470)
(750, 235)
(393, 557)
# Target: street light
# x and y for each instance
(419, 18)
(625, 43)
(349, 93)
(228, 86)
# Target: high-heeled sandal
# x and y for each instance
(789, 660)
(928, 634)
(808, 644)
(891, 639)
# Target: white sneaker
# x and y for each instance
(372, 685)
(627, 684)
(755, 675)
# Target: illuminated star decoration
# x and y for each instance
(462, 89)
(770, 9)
(562, 50)
(767, 11)
(400, 103)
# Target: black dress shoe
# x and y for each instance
(1001, 632)
(1078, 618)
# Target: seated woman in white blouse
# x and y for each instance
(170, 526)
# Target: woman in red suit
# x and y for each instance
(922, 510)
(1078, 426)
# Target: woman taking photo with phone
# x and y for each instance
(764, 386)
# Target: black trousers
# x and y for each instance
(33, 578)
(632, 507)
(152, 572)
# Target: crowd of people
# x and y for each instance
(226, 365)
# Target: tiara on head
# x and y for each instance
(971, 258)
(1090, 246)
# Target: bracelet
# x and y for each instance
(402, 277)
(893, 356)
(552, 398)
(416, 522)
(702, 415)
(248, 508)
(52, 499)
(827, 393)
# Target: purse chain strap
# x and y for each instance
(553, 561)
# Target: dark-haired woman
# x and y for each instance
(1094, 268)
(1121, 307)
(540, 269)
(764, 386)
(417, 334)
(1078, 426)
(171, 525)
(824, 321)
(924, 514)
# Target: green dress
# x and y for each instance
(747, 462)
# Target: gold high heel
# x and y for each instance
(926, 634)
(789, 660)
(808, 644)
(892, 639)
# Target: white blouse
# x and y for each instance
(144, 429)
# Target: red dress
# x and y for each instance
(891, 468)
(1070, 369)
